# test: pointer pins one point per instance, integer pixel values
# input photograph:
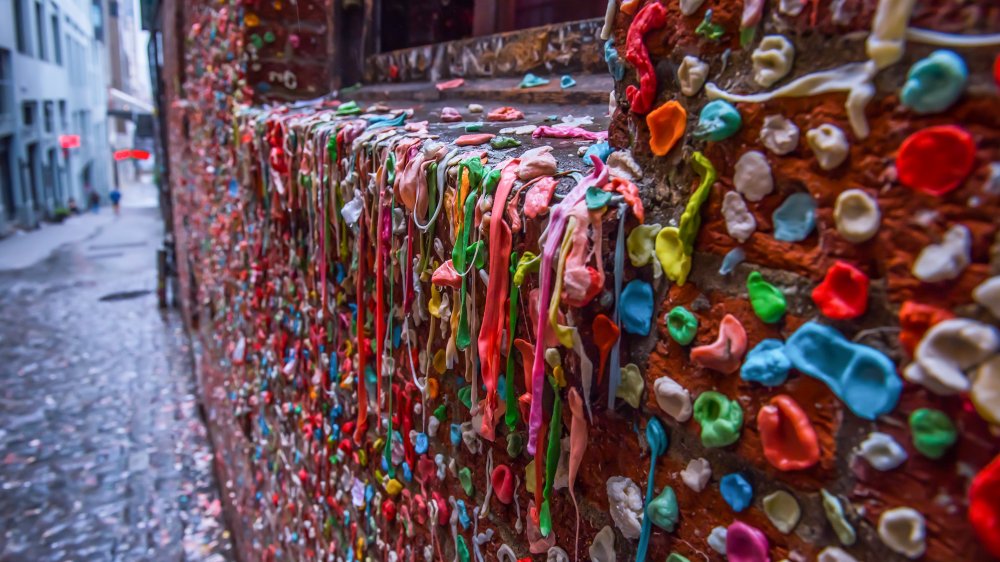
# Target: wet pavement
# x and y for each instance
(103, 454)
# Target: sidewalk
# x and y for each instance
(24, 249)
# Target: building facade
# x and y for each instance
(53, 108)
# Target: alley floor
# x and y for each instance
(103, 454)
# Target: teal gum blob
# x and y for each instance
(935, 83)
(611, 57)
(597, 198)
(656, 436)
(663, 510)
(718, 121)
(736, 491)
(566, 81)
(795, 218)
(601, 150)
(637, 307)
(863, 378)
(766, 363)
(532, 81)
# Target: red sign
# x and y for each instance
(133, 154)
(69, 141)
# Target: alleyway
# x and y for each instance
(103, 455)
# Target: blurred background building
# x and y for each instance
(65, 66)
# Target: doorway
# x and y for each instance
(7, 181)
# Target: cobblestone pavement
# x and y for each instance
(103, 455)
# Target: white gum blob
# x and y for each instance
(691, 75)
(673, 398)
(783, 510)
(987, 295)
(947, 351)
(752, 176)
(829, 144)
(697, 474)
(772, 60)
(779, 135)
(857, 216)
(947, 259)
(625, 505)
(882, 451)
(902, 529)
(739, 221)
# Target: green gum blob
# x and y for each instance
(465, 478)
(933, 432)
(720, 418)
(767, 300)
(663, 510)
(499, 142)
(682, 325)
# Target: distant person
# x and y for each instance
(93, 199)
(116, 198)
(72, 206)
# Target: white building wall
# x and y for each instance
(58, 87)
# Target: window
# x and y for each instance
(49, 111)
(28, 110)
(6, 85)
(62, 115)
(56, 39)
(40, 29)
(97, 15)
(21, 27)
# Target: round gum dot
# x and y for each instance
(936, 160)
(746, 544)
(902, 529)
(882, 451)
(720, 418)
(843, 293)
(829, 144)
(736, 490)
(857, 216)
(718, 121)
(933, 432)
(681, 325)
(783, 510)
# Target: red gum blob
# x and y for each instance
(843, 294)
(996, 71)
(936, 160)
(652, 16)
(446, 276)
(389, 510)
(503, 484)
(726, 353)
(606, 333)
(787, 435)
(914, 321)
(984, 506)
(505, 113)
